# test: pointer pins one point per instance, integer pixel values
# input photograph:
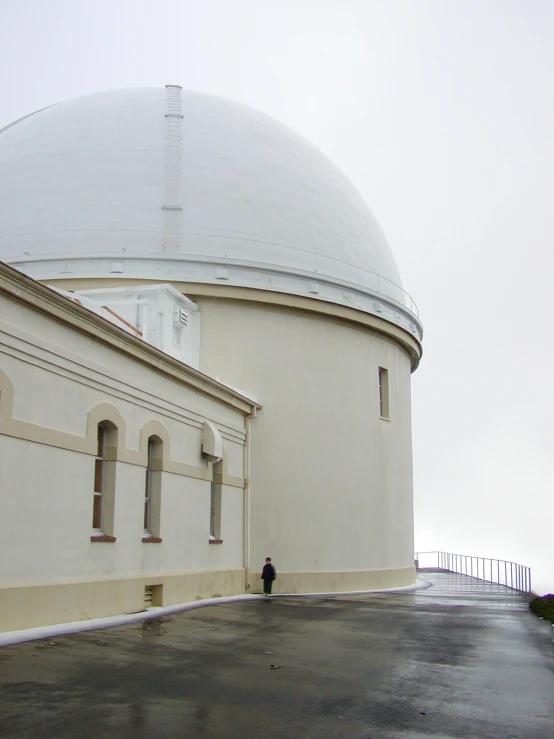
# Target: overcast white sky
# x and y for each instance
(442, 114)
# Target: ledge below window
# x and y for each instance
(215, 541)
(151, 540)
(103, 538)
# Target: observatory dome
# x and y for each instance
(167, 184)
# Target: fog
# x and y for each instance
(442, 114)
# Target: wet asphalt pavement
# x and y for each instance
(460, 659)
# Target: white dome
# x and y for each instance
(168, 184)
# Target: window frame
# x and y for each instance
(151, 520)
(107, 441)
(384, 400)
(147, 519)
(99, 479)
(216, 504)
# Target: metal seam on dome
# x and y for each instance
(24, 117)
(172, 206)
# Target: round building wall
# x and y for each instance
(330, 495)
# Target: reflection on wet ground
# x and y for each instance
(459, 659)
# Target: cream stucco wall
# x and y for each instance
(317, 479)
(56, 384)
(330, 481)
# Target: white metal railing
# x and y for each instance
(498, 571)
(317, 264)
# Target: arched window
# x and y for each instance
(103, 506)
(6, 397)
(153, 489)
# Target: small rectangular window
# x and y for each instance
(383, 392)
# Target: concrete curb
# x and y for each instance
(74, 627)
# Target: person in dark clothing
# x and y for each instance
(269, 574)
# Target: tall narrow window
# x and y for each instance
(148, 487)
(383, 392)
(153, 490)
(103, 506)
(215, 503)
(99, 479)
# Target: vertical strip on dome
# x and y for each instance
(172, 205)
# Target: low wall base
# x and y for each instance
(26, 606)
(336, 582)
